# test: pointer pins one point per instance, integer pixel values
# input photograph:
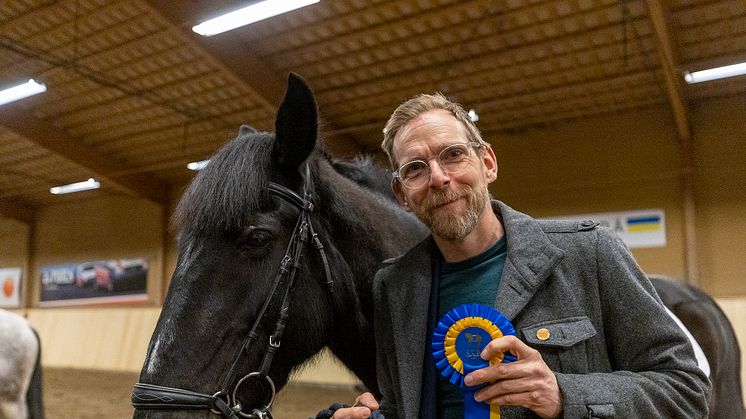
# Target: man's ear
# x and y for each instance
(490, 164)
(399, 193)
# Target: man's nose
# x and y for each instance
(438, 177)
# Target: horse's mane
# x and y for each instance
(234, 184)
(229, 188)
(365, 172)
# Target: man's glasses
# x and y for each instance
(452, 160)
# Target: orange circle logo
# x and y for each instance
(8, 287)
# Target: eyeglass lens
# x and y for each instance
(451, 160)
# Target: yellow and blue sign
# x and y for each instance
(644, 223)
(637, 228)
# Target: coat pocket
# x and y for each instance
(562, 343)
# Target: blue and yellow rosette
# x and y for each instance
(458, 341)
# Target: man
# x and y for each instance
(593, 339)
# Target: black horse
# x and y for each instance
(278, 242)
(234, 233)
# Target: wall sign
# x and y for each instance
(10, 287)
(101, 281)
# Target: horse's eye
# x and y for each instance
(255, 238)
(259, 238)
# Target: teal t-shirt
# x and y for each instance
(475, 280)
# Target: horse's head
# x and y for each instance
(245, 242)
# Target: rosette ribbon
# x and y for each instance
(458, 341)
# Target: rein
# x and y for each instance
(225, 402)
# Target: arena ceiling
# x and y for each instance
(133, 94)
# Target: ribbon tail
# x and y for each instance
(479, 410)
(474, 409)
(494, 411)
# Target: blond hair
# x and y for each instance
(418, 105)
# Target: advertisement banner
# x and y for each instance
(10, 281)
(97, 282)
(639, 228)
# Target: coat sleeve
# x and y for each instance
(655, 373)
(384, 371)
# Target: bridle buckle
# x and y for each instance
(225, 398)
(273, 343)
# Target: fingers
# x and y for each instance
(367, 400)
(545, 401)
(507, 387)
(528, 382)
(527, 398)
(352, 413)
(504, 344)
(364, 406)
(525, 365)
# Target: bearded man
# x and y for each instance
(592, 337)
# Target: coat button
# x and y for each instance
(542, 334)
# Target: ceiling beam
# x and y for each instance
(227, 48)
(669, 65)
(232, 52)
(43, 134)
(677, 96)
(13, 208)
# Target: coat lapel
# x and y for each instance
(531, 259)
(409, 294)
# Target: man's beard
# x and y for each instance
(448, 225)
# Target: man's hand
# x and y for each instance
(527, 382)
(364, 406)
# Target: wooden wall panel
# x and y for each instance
(605, 164)
(631, 161)
(101, 229)
(94, 338)
(720, 158)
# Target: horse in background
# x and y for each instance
(236, 234)
(712, 330)
(20, 369)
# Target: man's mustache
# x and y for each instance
(439, 198)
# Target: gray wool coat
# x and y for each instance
(614, 350)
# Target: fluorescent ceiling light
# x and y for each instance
(197, 165)
(715, 73)
(250, 14)
(75, 187)
(473, 115)
(21, 91)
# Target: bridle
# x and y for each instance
(225, 402)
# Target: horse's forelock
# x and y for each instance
(229, 188)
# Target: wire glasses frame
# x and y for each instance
(452, 160)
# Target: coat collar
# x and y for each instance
(530, 260)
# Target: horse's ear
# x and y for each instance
(246, 129)
(296, 126)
